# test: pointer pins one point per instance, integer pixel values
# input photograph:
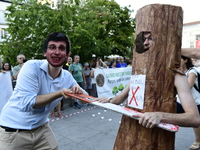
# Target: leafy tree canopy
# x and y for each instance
(99, 27)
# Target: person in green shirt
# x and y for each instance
(76, 69)
(17, 68)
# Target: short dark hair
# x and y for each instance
(56, 36)
(93, 64)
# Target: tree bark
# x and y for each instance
(159, 64)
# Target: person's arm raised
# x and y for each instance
(191, 52)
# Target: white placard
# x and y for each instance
(5, 88)
(111, 82)
(136, 93)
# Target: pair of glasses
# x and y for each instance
(20, 58)
(149, 38)
(52, 47)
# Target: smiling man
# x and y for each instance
(40, 87)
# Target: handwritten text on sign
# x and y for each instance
(136, 92)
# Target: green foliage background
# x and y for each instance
(99, 27)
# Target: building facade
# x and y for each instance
(3, 5)
(3, 25)
(191, 35)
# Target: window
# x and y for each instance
(191, 44)
(2, 34)
(198, 37)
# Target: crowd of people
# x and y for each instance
(83, 74)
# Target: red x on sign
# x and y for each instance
(133, 96)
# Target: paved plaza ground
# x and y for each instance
(93, 128)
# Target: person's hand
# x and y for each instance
(74, 90)
(149, 119)
(102, 99)
(63, 91)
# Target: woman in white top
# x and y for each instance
(7, 68)
(96, 65)
(191, 74)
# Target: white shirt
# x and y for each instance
(33, 80)
(195, 93)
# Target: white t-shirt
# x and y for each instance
(195, 93)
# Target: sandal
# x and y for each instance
(53, 115)
(59, 114)
(195, 146)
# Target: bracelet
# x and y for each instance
(110, 100)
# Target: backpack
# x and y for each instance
(197, 87)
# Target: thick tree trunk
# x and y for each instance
(158, 64)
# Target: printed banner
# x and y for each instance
(5, 88)
(136, 93)
(110, 82)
